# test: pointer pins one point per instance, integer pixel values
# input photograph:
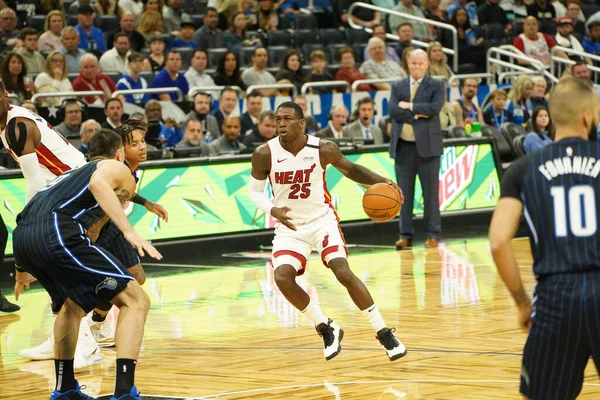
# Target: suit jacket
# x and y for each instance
(220, 146)
(353, 131)
(247, 124)
(325, 133)
(429, 101)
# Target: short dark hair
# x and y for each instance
(104, 144)
(106, 104)
(172, 51)
(121, 34)
(28, 32)
(365, 100)
(207, 9)
(134, 56)
(297, 110)
(578, 63)
(259, 48)
(463, 82)
(228, 89)
(267, 114)
(254, 93)
(201, 51)
(125, 130)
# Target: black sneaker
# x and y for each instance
(332, 336)
(394, 348)
(7, 306)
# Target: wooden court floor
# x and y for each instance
(228, 333)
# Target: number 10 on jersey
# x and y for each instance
(580, 203)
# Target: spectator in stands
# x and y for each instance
(90, 38)
(170, 132)
(226, 10)
(338, 118)
(34, 60)
(378, 68)
(229, 142)
(108, 7)
(50, 39)
(115, 59)
(542, 10)
(133, 80)
(75, 6)
(113, 110)
(155, 61)
(471, 48)
(465, 109)
(536, 44)
(195, 74)
(70, 48)
(228, 71)
(71, 124)
(25, 8)
(348, 72)
(361, 16)
(496, 115)
(127, 24)
(236, 37)
(185, 38)
(422, 31)
(257, 74)
(390, 53)
(266, 16)
(318, 62)
(290, 70)
(432, 11)
(438, 64)
(405, 55)
(134, 6)
(519, 100)
(54, 78)
(564, 38)
(91, 79)
(516, 10)
(581, 70)
(405, 35)
(573, 12)
(13, 75)
(201, 112)
(228, 105)
(88, 129)
(470, 7)
(170, 77)
(140, 116)
(591, 43)
(265, 131)
(542, 131)
(192, 138)
(362, 127)
(209, 36)
(50, 5)
(311, 126)
(29, 105)
(151, 24)
(173, 16)
(9, 34)
(250, 118)
(490, 12)
(538, 94)
(560, 6)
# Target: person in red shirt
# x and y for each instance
(90, 79)
(536, 44)
(348, 72)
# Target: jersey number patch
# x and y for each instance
(580, 204)
(304, 190)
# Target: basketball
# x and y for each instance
(382, 202)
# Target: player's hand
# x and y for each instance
(404, 105)
(525, 316)
(392, 183)
(142, 244)
(281, 214)
(157, 209)
(422, 116)
(22, 282)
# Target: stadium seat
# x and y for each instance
(304, 36)
(37, 22)
(494, 32)
(276, 55)
(198, 20)
(280, 38)
(359, 49)
(332, 36)
(167, 38)
(354, 36)
(214, 55)
(548, 27)
(186, 56)
(284, 22)
(488, 131)
(518, 145)
(309, 48)
(107, 23)
(148, 76)
(589, 8)
(517, 28)
(115, 76)
(456, 132)
(245, 56)
(72, 20)
(305, 21)
(334, 51)
(510, 131)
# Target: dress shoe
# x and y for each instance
(431, 243)
(403, 244)
(7, 306)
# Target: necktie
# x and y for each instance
(408, 133)
(368, 134)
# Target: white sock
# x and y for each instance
(374, 316)
(314, 313)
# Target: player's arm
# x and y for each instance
(151, 206)
(111, 185)
(23, 137)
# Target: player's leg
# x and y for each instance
(5, 305)
(405, 177)
(428, 170)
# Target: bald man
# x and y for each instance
(416, 146)
(536, 44)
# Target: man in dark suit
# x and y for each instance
(416, 145)
(250, 118)
(338, 118)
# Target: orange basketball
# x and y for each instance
(382, 202)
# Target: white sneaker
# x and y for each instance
(87, 352)
(103, 333)
(393, 347)
(44, 351)
(332, 336)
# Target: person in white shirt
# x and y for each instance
(115, 60)
(564, 28)
(134, 6)
(195, 74)
(54, 78)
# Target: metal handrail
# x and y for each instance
(196, 89)
(503, 75)
(252, 88)
(560, 60)
(308, 85)
(442, 25)
(69, 94)
(14, 96)
(159, 90)
(465, 76)
(359, 82)
(513, 53)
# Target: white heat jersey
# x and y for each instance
(55, 154)
(299, 182)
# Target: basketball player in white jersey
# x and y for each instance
(295, 165)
